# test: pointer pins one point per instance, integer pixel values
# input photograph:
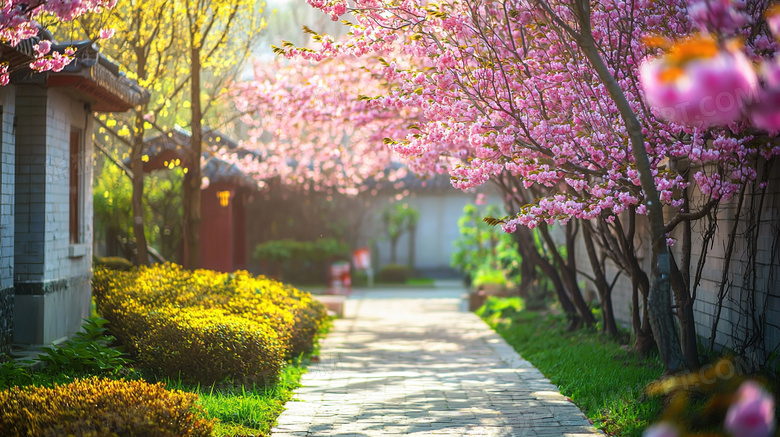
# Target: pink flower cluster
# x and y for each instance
(701, 80)
(310, 128)
(17, 23)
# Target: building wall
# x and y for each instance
(437, 229)
(7, 152)
(52, 276)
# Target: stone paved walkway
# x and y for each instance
(413, 363)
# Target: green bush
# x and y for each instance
(486, 275)
(204, 326)
(303, 261)
(97, 407)
(113, 263)
(393, 274)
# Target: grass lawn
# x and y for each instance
(242, 410)
(603, 379)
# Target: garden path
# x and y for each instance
(414, 363)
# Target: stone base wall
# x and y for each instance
(47, 312)
(6, 320)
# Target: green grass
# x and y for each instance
(243, 410)
(603, 379)
(419, 281)
(240, 410)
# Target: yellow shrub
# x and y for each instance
(97, 407)
(206, 345)
(193, 324)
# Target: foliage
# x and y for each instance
(249, 409)
(302, 261)
(478, 242)
(113, 263)
(87, 353)
(338, 150)
(322, 249)
(15, 372)
(605, 380)
(205, 345)
(398, 219)
(393, 274)
(483, 252)
(485, 275)
(162, 208)
(101, 407)
(21, 20)
(207, 325)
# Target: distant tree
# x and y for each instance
(397, 220)
(147, 46)
(218, 36)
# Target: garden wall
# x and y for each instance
(749, 321)
(7, 153)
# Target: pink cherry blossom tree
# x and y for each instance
(18, 22)
(548, 96)
(309, 128)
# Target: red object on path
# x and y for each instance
(339, 278)
(361, 258)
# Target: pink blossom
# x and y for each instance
(712, 88)
(106, 33)
(773, 21)
(42, 48)
(765, 113)
(661, 429)
(753, 413)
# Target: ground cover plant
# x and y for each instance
(97, 406)
(599, 376)
(194, 319)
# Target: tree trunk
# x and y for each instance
(412, 245)
(685, 318)
(604, 290)
(568, 273)
(529, 253)
(393, 251)
(192, 180)
(659, 299)
(527, 277)
(137, 165)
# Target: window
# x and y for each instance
(75, 186)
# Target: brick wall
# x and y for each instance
(31, 137)
(52, 290)
(7, 151)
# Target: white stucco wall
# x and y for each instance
(437, 228)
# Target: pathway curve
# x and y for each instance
(413, 363)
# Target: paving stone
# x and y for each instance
(411, 363)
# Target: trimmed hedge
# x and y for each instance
(204, 326)
(394, 274)
(99, 407)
